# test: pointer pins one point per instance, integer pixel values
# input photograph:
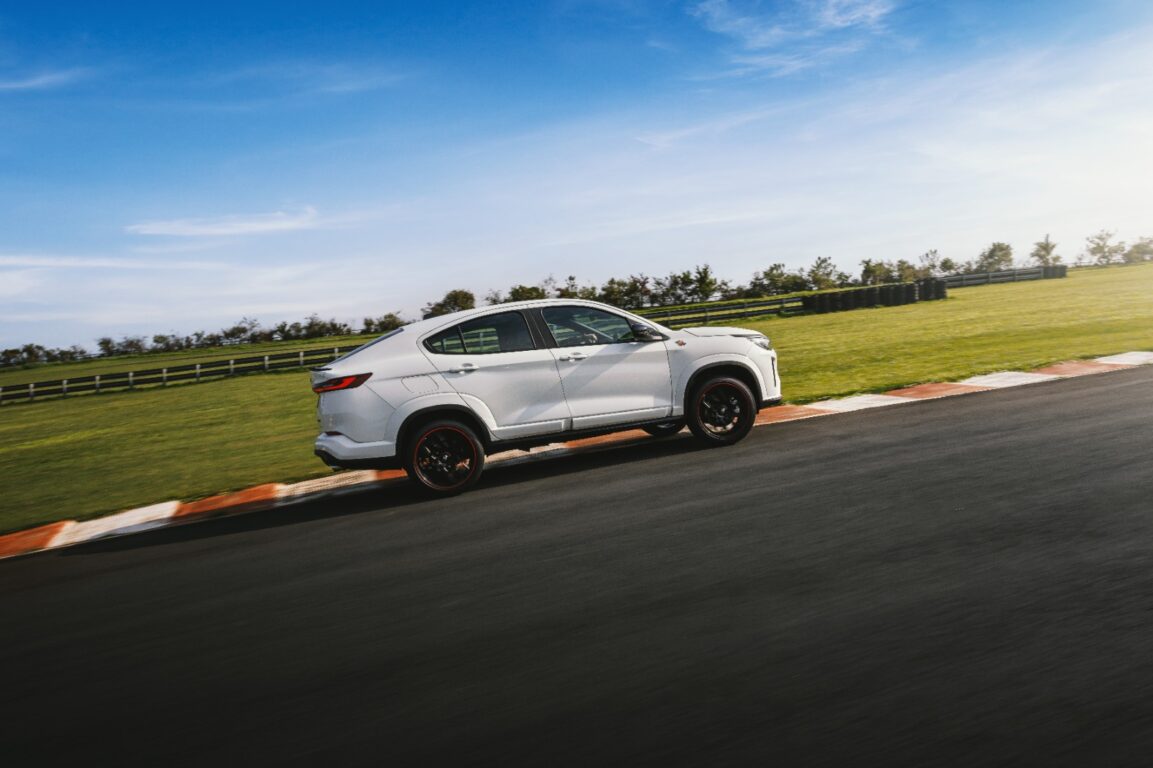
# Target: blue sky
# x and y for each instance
(175, 167)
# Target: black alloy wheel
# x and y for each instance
(445, 458)
(721, 411)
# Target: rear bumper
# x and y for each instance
(335, 463)
(340, 452)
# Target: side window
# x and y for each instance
(579, 326)
(504, 332)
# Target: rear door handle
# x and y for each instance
(575, 357)
(464, 368)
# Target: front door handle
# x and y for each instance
(464, 368)
(575, 357)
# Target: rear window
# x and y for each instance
(363, 347)
(502, 332)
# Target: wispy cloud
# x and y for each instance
(43, 81)
(792, 36)
(714, 126)
(48, 261)
(312, 77)
(838, 14)
(17, 284)
(250, 224)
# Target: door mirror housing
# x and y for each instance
(642, 332)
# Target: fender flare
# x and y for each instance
(703, 366)
(446, 403)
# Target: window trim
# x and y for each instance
(532, 334)
(554, 344)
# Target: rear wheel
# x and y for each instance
(665, 428)
(721, 411)
(445, 457)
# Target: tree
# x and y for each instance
(33, 353)
(930, 264)
(246, 329)
(677, 288)
(1142, 250)
(998, 257)
(906, 271)
(632, 293)
(519, 293)
(527, 293)
(571, 290)
(877, 272)
(1043, 254)
(706, 285)
(774, 281)
(132, 345)
(382, 324)
(167, 342)
(1102, 250)
(453, 301)
(823, 275)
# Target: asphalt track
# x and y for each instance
(958, 582)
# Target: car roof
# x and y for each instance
(420, 327)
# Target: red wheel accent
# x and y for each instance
(445, 457)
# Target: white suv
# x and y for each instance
(435, 396)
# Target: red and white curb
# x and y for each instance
(271, 495)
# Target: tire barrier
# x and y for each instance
(893, 295)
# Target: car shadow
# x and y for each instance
(393, 495)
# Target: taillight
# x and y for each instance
(343, 382)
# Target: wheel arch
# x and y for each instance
(736, 370)
(414, 421)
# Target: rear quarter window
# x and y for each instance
(503, 332)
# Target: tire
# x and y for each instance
(665, 428)
(721, 411)
(444, 458)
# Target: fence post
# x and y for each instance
(335, 352)
(164, 376)
(266, 363)
(31, 392)
(231, 367)
(131, 383)
(98, 383)
(198, 373)
(1, 395)
(302, 358)
(64, 387)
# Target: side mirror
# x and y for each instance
(642, 332)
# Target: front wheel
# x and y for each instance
(721, 411)
(445, 457)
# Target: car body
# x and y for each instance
(433, 397)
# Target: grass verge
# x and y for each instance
(87, 456)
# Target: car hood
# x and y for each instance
(714, 331)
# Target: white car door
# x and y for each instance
(607, 377)
(492, 362)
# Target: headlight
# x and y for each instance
(761, 341)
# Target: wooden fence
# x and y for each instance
(108, 382)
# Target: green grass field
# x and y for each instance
(85, 456)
